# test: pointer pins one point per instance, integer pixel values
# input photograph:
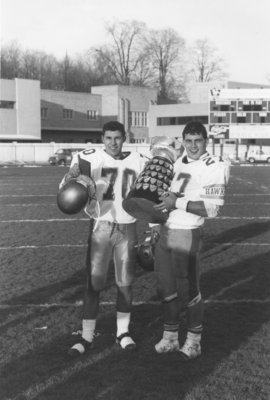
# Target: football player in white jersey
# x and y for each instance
(197, 191)
(112, 231)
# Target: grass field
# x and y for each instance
(42, 255)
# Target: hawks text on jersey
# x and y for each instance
(200, 180)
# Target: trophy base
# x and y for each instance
(143, 209)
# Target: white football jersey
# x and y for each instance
(200, 180)
(113, 179)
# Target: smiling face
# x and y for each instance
(195, 145)
(113, 141)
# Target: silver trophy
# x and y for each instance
(152, 182)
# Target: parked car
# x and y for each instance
(63, 156)
(258, 156)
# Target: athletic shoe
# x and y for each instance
(126, 342)
(168, 343)
(80, 348)
(190, 350)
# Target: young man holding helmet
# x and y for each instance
(112, 231)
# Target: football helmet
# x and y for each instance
(72, 197)
(146, 250)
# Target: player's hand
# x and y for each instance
(167, 203)
(73, 173)
(89, 183)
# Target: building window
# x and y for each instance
(67, 113)
(138, 118)
(260, 118)
(137, 141)
(7, 104)
(222, 105)
(92, 114)
(44, 113)
(219, 117)
(252, 105)
(241, 119)
(163, 121)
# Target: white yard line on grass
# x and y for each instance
(242, 218)
(54, 204)
(226, 288)
(44, 220)
(246, 194)
(237, 243)
(27, 195)
(42, 204)
(48, 246)
(54, 195)
(87, 219)
(246, 204)
(106, 391)
(210, 300)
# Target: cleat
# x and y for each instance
(126, 342)
(80, 348)
(190, 350)
(168, 343)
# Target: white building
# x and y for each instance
(20, 110)
(233, 112)
(30, 114)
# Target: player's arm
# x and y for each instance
(77, 172)
(170, 201)
(212, 193)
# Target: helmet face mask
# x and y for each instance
(146, 250)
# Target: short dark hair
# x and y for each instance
(194, 127)
(114, 126)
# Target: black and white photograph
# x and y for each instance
(134, 200)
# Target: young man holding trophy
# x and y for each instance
(197, 191)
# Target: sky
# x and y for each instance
(239, 29)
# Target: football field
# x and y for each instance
(42, 278)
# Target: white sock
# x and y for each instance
(122, 322)
(194, 337)
(88, 329)
(170, 335)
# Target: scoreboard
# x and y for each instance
(231, 110)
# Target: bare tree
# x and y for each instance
(11, 61)
(125, 53)
(206, 64)
(48, 71)
(164, 49)
(101, 69)
(145, 74)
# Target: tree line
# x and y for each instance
(133, 55)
